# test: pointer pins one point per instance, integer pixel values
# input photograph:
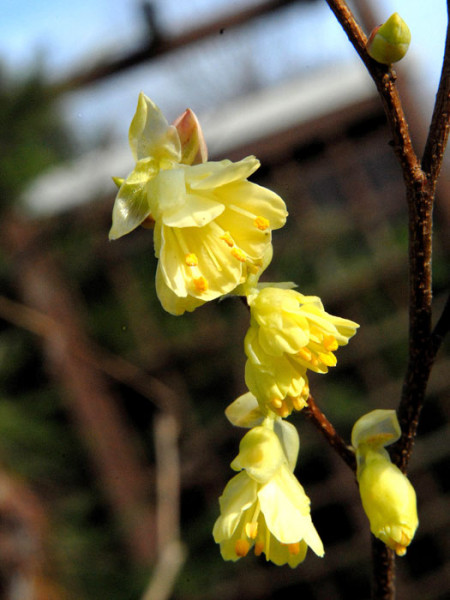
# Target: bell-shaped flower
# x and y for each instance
(264, 506)
(289, 333)
(212, 227)
(388, 498)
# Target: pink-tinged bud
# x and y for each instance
(389, 42)
(193, 145)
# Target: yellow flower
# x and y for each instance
(289, 333)
(387, 496)
(212, 227)
(264, 506)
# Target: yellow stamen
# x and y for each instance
(241, 548)
(226, 237)
(239, 254)
(252, 268)
(200, 283)
(400, 547)
(400, 550)
(276, 403)
(299, 402)
(330, 343)
(262, 223)
(191, 260)
(251, 529)
(284, 410)
(305, 354)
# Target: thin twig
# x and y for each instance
(171, 552)
(317, 417)
(423, 344)
(384, 78)
(441, 329)
(439, 129)
(383, 571)
(420, 187)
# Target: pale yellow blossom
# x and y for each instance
(212, 227)
(264, 506)
(289, 334)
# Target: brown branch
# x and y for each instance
(319, 420)
(423, 343)
(383, 571)
(420, 188)
(384, 78)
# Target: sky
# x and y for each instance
(71, 35)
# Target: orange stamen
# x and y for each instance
(226, 237)
(239, 254)
(200, 283)
(241, 548)
(262, 223)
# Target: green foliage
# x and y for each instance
(32, 135)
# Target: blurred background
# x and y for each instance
(113, 443)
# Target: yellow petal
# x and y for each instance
(377, 428)
(245, 411)
(239, 494)
(215, 263)
(260, 454)
(286, 509)
(131, 206)
(150, 135)
(173, 304)
(213, 174)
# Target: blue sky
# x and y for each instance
(76, 33)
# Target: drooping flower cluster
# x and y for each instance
(289, 334)
(212, 236)
(264, 506)
(387, 496)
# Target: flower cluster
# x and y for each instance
(212, 233)
(289, 334)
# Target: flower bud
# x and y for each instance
(193, 145)
(388, 499)
(388, 43)
(387, 496)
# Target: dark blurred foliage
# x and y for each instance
(32, 137)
